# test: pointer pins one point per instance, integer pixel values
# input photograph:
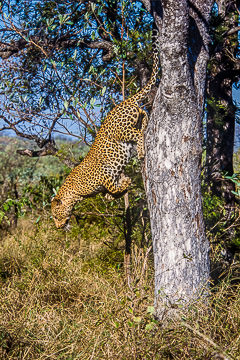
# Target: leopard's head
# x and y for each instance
(61, 212)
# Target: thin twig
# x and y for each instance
(207, 340)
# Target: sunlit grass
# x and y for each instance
(63, 297)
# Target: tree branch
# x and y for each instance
(232, 31)
(49, 149)
(9, 49)
(104, 45)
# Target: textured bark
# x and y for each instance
(224, 70)
(219, 154)
(173, 157)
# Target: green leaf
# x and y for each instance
(53, 27)
(75, 54)
(150, 309)
(137, 319)
(25, 98)
(92, 102)
(38, 219)
(5, 207)
(60, 16)
(53, 62)
(150, 326)
(66, 104)
(103, 90)
(93, 6)
(91, 69)
(75, 101)
(2, 216)
(100, 9)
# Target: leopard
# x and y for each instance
(102, 169)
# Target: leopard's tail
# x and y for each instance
(142, 94)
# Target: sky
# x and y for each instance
(235, 99)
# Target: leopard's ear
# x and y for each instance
(56, 201)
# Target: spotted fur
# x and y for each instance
(102, 168)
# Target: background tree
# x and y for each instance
(63, 60)
(223, 71)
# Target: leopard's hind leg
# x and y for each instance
(118, 188)
(137, 135)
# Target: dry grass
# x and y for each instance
(65, 298)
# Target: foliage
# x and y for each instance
(235, 179)
(65, 63)
(219, 110)
(222, 229)
(26, 183)
(224, 35)
(222, 73)
(8, 205)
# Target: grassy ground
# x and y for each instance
(63, 297)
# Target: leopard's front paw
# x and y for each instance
(109, 197)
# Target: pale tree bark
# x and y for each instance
(173, 155)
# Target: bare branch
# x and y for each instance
(7, 50)
(232, 31)
(53, 124)
(64, 42)
(49, 149)
(104, 45)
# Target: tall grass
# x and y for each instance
(63, 297)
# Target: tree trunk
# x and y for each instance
(173, 158)
(219, 154)
(223, 71)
